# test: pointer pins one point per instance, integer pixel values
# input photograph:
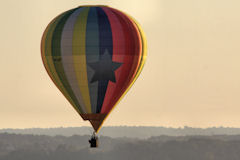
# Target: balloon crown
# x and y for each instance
(97, 5)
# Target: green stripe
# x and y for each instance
(56, 57)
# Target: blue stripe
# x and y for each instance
(92, 54)
(105, 43)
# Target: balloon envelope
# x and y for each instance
(93, 54)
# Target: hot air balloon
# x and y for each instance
(93, 54)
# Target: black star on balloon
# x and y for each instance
(104, 68)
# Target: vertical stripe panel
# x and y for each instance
(57, 60)
(47, 59)
(137, 48)
(131, 59)
(143, 59)
(92, 54)
(118, 54)
(105, 43)
(144, 49)
(67, 58)
(79, 56)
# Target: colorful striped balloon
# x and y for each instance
(93, 54)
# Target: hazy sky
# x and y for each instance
(191, 77)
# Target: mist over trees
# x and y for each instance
(42, 147)
(125, 131)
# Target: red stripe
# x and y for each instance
(118, 55)
(127, 50)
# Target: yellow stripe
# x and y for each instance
(79, 57)
(48, 63)
(144, 54)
